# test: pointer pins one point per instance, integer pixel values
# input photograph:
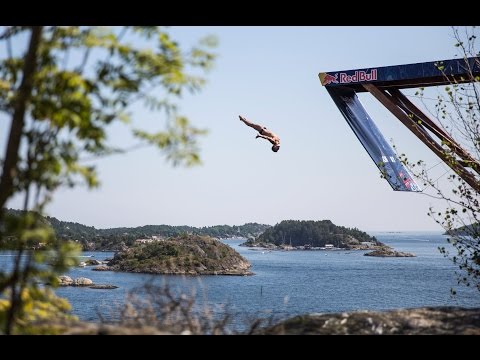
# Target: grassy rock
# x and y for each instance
(184, 255)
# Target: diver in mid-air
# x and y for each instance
(264, 133)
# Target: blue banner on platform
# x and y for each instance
(373, 141)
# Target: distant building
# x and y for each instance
(329, 246)
(153, 238)
(144, 241)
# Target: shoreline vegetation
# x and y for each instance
(118, 239)
(286, 235)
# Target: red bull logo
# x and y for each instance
(328, 79)
(358, 76)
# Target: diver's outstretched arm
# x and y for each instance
(266, 138)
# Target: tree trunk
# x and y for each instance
(18, 119)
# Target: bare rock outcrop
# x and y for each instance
(420, 321)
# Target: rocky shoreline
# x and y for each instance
(271, 246)
(65, 280)
(419, 321)
(377, 250)
(389, 252)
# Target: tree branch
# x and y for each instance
(18, 118)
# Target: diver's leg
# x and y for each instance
(252, 125)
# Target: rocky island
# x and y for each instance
(387, 251)
(65, 280)
(320, 235)
(182, 255)
(296, 234)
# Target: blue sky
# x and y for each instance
(269, 75)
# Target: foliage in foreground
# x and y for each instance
(63, 87)
(41, 313)
(175, 312)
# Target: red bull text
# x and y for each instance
(358, 75)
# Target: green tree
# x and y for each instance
(314, 233)
(71, 83)
(457, 110)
